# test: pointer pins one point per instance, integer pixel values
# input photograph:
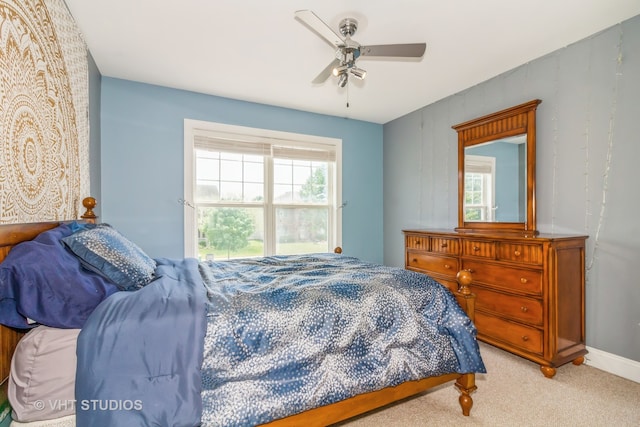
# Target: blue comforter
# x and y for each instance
(245, 342)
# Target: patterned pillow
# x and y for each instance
(104, 250)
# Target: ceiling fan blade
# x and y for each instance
(409, 50)
(324, 74)
(316, 24)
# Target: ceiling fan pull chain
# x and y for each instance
(347, 96)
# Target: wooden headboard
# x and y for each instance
(11, 235)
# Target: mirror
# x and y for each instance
(496, 171)
(495, 180)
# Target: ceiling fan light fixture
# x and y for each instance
(342, 81)
(358, 72)
(341, 69)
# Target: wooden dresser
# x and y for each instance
(530, 290)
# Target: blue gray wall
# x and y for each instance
(95, 80)
(142, 137)
(588, 149)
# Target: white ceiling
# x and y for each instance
(254, 50)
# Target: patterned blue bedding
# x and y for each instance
(245, 342)
(290, 333)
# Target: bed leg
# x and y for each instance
(466, 385)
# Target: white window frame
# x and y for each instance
(243, 133)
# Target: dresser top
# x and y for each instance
(495, 235)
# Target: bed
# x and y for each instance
(201, 359)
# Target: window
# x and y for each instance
(479, 180)
(254, 192)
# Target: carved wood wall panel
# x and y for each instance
(44, 129)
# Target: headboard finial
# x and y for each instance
(89, 203)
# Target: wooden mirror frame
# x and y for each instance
(513, 121)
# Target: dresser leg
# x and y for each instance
(548, 371)
(579, 361)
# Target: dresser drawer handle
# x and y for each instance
(517, 253)
(524, 280)
(524, 309)
(447, 266)
(415, 260)
(476, 248)
(444, 245)
(525, 338)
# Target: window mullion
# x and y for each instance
(269, 213)
(332, 211)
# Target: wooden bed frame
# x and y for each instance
(11, 235)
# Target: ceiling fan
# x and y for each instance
(349, 50)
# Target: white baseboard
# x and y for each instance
(614, 364)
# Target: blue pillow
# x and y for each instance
(42, 281)
(104, 250)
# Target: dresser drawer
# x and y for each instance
(498, 276)
(520, 252)
(479, 248)
(432, 263)
(417, 242)
(444, 245)
(521, 336)
(522, 309)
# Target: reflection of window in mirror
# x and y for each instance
(509, 177)
(479, 180)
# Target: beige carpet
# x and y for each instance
(515, 393)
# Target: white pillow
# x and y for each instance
(43, 373)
